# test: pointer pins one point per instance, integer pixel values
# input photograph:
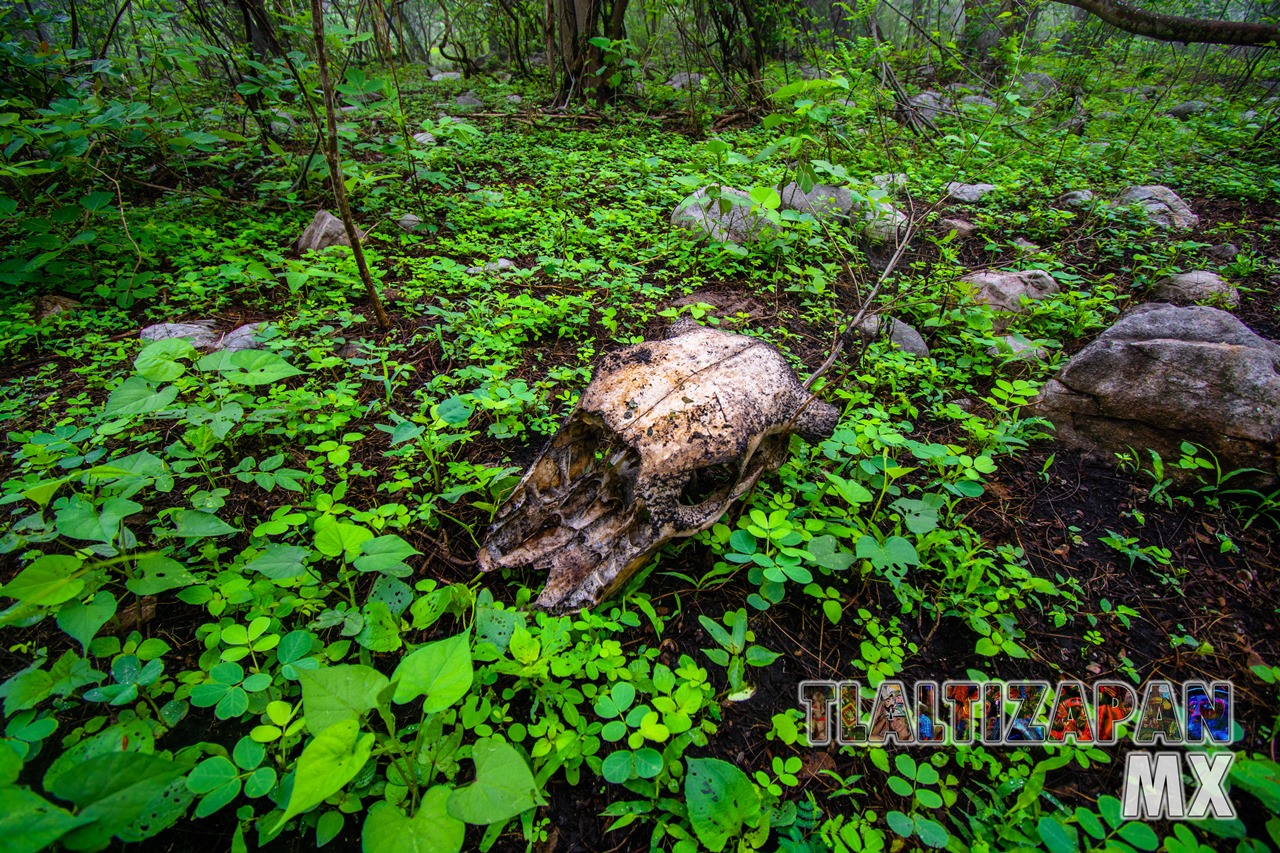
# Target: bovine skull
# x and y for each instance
(663, 439)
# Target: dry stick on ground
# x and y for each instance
(335, 167)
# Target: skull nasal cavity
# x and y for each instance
(710, 481)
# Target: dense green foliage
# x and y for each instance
(240, 586)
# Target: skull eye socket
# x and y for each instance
(708, 482)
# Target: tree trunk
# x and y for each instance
(1176, 28)
(335, 166)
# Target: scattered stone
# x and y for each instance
(1143, 92)
(961, 88)
(1004, 291)
(349, 108)
(324, 231)
(1024, 246)
(686, 80)
(203, 337)
(963, 228)
(1163, 206)
(499, 265)
(514, 99)
(1163, 375)
(240, 338)
(928, 105)
(1187, 109)
(283, 124)
(1223, 252)
(1037, 83)
(538, 60)
(468, 101)
(1248, 115)
(51, 305)
(882, 221)
(822, 201)
(701, 213)
(424, 138)
(979, 101)
(968, 193)
(445, 75)
(900, 334)
(1076, 198)
(409, 223)
(890, 181)
(1018, 348)
(1197, 286)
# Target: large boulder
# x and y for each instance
(445, 75)
(928, 105)
(900, 335)
(1163, 206)
(1196, 286)
(1004, 290)
(685, 80)
(203, 336)
(1163, 375)
(324, 231)
(728, 218)
(968, 193)
(1188, 109)
(468, 101)
(882, 221)
(1076, 198)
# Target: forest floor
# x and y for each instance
(580, 205)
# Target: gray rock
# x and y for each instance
(1163, 375)
(424, 138)
(240, 338)
(1143, 92)
(1196, 286)
(881, 221)
(1004, 291)
(928, 104)
(890, 181)
(409, 223)
(979, 101)
(968, 193)
(468, 101)
(200, 333)
(445, 75)
(349, 108)
(823, 201)
(728, 218)
(1188, 108)
(324, 231)
(1018, 348)
(1163, 206)
(514, 99)
(1037, 83)
(686, 80)
(900, 334)
(499, 265)
(1248, 115)
(964, 228)
(538, 60)
(1223, 252)
(283, 124)
(1076, 198)
(1024, 246)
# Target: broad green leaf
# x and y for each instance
(721, 801)
(137, 396)
(29, 822)
(82, 621)
(49, 580)
(336, 694)
(280, 562)
(383, 552)
(431, 830)
(932, 833)
(131, 736)
(340, 538)
(159, 574)
(504, 786)
(441, 672)
(110, 791)
(328, 762)
(193, 524)
(249, 367)
(159, 360)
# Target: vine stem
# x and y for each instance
(335, 166)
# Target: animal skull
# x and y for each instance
(664, 438)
